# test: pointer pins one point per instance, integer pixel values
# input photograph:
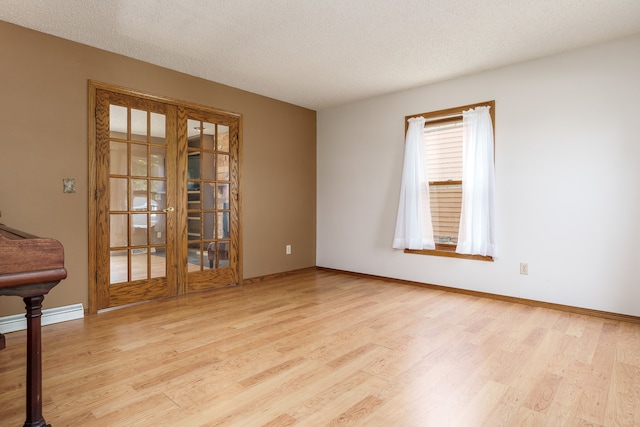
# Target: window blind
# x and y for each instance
(443, 161)
(443, 151)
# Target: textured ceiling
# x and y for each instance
(318, 54)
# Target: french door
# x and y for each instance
(164, 216)
(208, 185)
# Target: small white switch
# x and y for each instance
(287, 249)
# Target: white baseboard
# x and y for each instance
(18, 322)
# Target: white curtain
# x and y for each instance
(477, 234)
(414, 229)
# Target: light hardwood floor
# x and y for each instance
(323, 348)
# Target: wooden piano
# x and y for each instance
(30, 267)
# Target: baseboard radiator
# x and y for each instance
(18, 322)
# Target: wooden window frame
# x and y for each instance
(444, 116)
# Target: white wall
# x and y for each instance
(568, 180)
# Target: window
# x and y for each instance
(441, 193)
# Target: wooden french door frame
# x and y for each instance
(181, 280)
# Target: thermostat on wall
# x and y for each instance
(69, 185)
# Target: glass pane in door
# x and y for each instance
(118, 158)
(119, 266)
(138, 125)
(194, 226)
(158, 162)
(208, 136)
(194, 257)
(138, 160)
(139, 267)
(158, 263)
(223, 139)
(118, 121)
(139, 227)
(223, 254)
(222, 165)
(223, 196)
(158, 128)
(118, 188)
(118, 230)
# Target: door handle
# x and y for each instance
(169, 209)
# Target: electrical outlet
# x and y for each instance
(524, 268)
(287, 249)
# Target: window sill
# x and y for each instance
(447, 251)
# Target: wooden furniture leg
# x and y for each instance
(30, 266)
(34, 362)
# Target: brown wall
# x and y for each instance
(43, 139)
